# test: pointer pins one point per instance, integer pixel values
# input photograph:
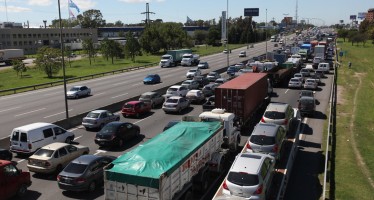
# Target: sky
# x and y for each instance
(318, 12)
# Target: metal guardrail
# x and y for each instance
(91, 76)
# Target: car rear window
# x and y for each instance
(145, 96)
(93, 115)
(243, 179)
(44, 153)
(306, 101)
(75, 168)
(173, 89)
(262, 140)
(172, 100)
(275, 115)
(128, 106)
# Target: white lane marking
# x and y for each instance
(5, 137)
(120, 83)
(119, 95)
(20, 160)
(141, 120)
(53, 93)
(286, 91)
(78, 137)
(136, 84)
(9, 109)
(73, 129)
(57, 114)
(99, 151)
(166, 76)
(99, 93)
(30, 112)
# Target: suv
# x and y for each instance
(307, 105)
(153, 98)
(13, 181)
(268, 139)
(250, 176)
(279, 113)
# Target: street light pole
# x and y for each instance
(63, 62)
(227, 33)
(266, 35)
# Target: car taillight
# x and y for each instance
(113, 136)
(259, 189)
(248, 146)
(275, 148)
(225, 185)
(80, 180)
(285, 121)
(30, 146)
(58, 178)
(47, 164)
(263, 120)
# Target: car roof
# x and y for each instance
(281, 107)
(306, 97)
(33, 126)
(188, 81)
(248, 162)
(194, 91)
(175, 97)
(175, 86)
(266, 129)
(98, 111)
(294, 79)
(133, 102)
(148, 93)
(55, 146)
(86, 159)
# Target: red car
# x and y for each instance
(135, 108)
(13, 181)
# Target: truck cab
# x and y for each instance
(13, 181)
(166, 60)
(190, 59)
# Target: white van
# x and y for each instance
(29, 138)
(324, 67)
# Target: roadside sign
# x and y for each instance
(251, 11)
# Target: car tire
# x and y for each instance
(92, 186)
(68, 140)
(22, 190)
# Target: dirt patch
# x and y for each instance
(339, 96)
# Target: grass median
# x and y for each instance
(77, 68)
(354, 160)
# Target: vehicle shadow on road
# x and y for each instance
(30, 195)
(128, 145)
(319, 115)
(84, 194)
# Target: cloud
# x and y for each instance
(40, 2)
(140, 1)
(14, 9)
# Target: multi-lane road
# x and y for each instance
(47, 105)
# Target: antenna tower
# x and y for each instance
(147, 20)
(297, 7)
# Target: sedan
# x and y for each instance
(203, 65)
(116, 134)
(98, 119)
(190, 84)
(175, 104)
(152, 79)
(78, 91)
(54, 157)
(307, 93)
(84, 173)
(195, 96)
(300, 76)
(310, 84)
(192, 73)
(208, 90)
(305, 72)
(295, 83)
(212, 76)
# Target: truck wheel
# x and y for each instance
(22, 190)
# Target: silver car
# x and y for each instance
(154, 98)
(250, 176)
(175, 104)
(212, 76)
(310, 84)
(78, 91)
(279, 113)
(295, 83)
(195, 96)
(98, 119)
(191, 84)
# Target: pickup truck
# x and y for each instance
(13, 181)
(135, 108)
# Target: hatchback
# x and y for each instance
(84, 173)
(175, 104)
(54, 157)
(152, 79)
(116, 134)
(307, 93)
(98, 119)
(279, 113)
(250, 176)
(176, 90)
(195, 96)
(305, 72)
(267, 138)
(300, 76)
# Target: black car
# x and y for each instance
(202, 80)
(307, 105)
(84, 173)
(116, 134)
(5, 154)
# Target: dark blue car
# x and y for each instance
(152, 79)
(232, 70)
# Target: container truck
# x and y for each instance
(308, 48)
(189, 59)
(319, 51)
(244, 96)
(8, 55)
(173, 57)
(176, 163)
(283, 74)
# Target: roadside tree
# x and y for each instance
(48, 60)
(91, 19)
(19, 66)
(89, 48)
(132, 46)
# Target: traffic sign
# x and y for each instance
(251, 11)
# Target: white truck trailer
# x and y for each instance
(319, 51)
(175, 163)
(8, 55)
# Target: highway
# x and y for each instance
(47, 105)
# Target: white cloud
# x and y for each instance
(40, 2)
(140, 1)
(14, 9)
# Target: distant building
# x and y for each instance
(370, 15)
(30, 39)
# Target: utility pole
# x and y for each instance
(147, 19)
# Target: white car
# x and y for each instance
(175, 104)
(295, 83)
(310, 83)
(195, 96)
(212, 76)
(176, 90)
(299, 76)
(78, 91)
(193, 72)
(243, 54)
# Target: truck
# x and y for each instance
(319, 51)
(308, 48)
(187, 154)
(189, 59)
(284, 72)
(296, 60)
(244, 96)
(8, 55)
(173, 57)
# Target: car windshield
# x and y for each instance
(298, 75)
(243, 179)
(274, 115)
(172, 89)
(212, 74)
(74, 89)
(294, 80)
(192, 70)
(170, 100)
(44, 153)
(262, 140)
(310, 81)
(150, 76)
(75, 168)
(145, 96)
(109, 128)
(93, 115)
(128, 106)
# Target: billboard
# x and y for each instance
(352, 17)
(251, 11)
(223, 30)
(361, 15)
